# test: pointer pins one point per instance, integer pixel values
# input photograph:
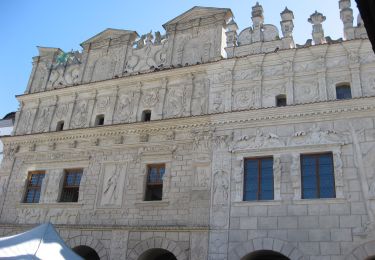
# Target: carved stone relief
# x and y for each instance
(113, 184)
(146, 57)
(40, 77)
(43, 119)
(260, 140)
(25, 122)
(150, 97)
(217, 103)
(295, 173)
(277, 176)
(244, 99)
(306, 92)
(80, 114)
(126, 107)
(369, 86)
(102, 104)
(176, 101)
(315, 136)
(61, 77)
(51, 185)
(201, 177)
(105, 66)
(199, 104)
(221, 186)
(201, 141)
(61, 111)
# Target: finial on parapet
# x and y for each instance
(316, 19)
(286, 23)
(257, 15)
(231, 33)
(346, 15)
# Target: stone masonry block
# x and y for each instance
(297, 210)
(329, 248)
(308, 222)
(287, 222)
(267, 222)
(309, 248)
(328, 221)
(341, 234)
(320, 235)
(350, 221)
(248, 223)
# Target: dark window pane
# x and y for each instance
(34, 185)
(70, 192)
(154, 187)
(343, 92)
(317, 176)
(258, 179)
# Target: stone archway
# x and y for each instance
(90, 242)
(86, 252)
(265, 245)
(157, 254)
(363, 252)
(156, 243)
(265, 254)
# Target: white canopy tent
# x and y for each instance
(41, 242)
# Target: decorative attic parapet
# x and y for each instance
(261, 37)
(200, 35)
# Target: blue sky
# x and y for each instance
(25, 24)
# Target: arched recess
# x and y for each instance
(363, 252)
(154, 243)
(89, 242)
(268, 244)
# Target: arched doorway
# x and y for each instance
(265, 254)
(86, 253)
(157, 254)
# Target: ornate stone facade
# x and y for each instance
(211, 95)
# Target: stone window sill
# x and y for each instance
(54, 205)
(257, 202)
(319, 201)
(153, 203)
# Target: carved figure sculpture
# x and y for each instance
(221, 186)
(80, 116)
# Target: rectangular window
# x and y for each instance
(72, 180)
(154, 185)
(258, 179)
(34, 184)
(318, 179)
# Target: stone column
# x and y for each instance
(220, 197)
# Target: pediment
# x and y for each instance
(200, 12)
(107, 34)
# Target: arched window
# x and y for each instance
(99, 120)
(146, 116)
(343, 91)
(60, 126)
(281, 100)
